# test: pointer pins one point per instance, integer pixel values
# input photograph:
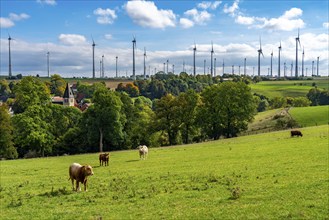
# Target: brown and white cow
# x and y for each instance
(143, 151)
(104, 158)
(296, 133)
(80, 173)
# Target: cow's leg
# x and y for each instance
(85, 185)
(73, 184)
(77, 186)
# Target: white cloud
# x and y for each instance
(105, 16)
(146, 14)
(287, 22)
(232, 9)
(325, 24)
(186, 23)
(47, 2)
(206, 5)
(108, 36)
(9, 22)
(16, 17)
(72, 39)
(244, 20)
(6, 23)
(199, 17)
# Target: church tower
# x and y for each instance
(68, 96)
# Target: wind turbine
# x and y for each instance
(232, 69)
(292, 64)
(103, 66)
(194, 51)
(260, 51)
(93, 45)
(48, 62)
(144, 63)
(116, 66)
(211, 57)
(245, 65)
(9, 67)
(296, 65)
(312, 67)
(183, 66)
(303, 62)
(134, 46)
(271, 64)
(317, 67)
(167, 66)
(284, 69)
(223, 66)
(215, 67)
(279, 66)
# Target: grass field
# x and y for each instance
(311, 116)
(265, 176)
(287, 88)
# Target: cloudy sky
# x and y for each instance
(167, 30)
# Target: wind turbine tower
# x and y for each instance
(223, 66)
(194, 50)
(103, 66)
(144, 63)
(244, 64)
(260, 51)
(204, 67)
(211, 57)
(48, 62)
(215, 67)
(303, 62)
(93, 45)
(317, 67)
(271, 64)
(134, 46)
(279, 65)
(9, 67)
(116, 66)
(312, 67)
(296, 65)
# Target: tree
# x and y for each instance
(227, 108)
(301, 102)
(166, 117)
(32, 132)
(7, 149)
(278, 102)
(104, 118)
(187, 107)
(30, 91)
(318, 97)
(57, 85)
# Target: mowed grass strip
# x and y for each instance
(265, 176)
(310, 116)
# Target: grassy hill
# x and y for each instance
(288, 88)
(265, 176)
(310, 116)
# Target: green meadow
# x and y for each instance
(288, 88)
(264, 176)
(311, 116)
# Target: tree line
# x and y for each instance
(165, 110)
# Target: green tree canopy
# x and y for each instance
(7, 149)
(30, 91)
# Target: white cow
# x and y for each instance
(143, 151)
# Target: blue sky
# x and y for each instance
(168, 31)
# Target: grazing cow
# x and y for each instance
(296, 133)
(104, 158)
(143, 151)
(80, 174)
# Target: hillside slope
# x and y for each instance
(265, 176)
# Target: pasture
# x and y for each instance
(288, 88)
(264, 176)
(311, 116)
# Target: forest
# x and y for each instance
(164, 110)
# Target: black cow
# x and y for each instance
(296, 133)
